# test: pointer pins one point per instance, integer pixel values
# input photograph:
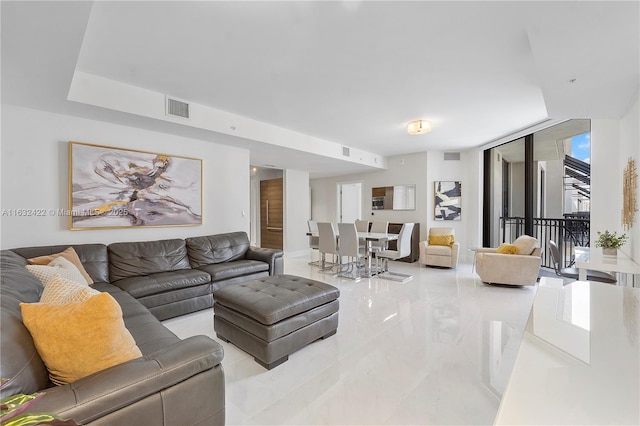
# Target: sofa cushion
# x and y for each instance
(438, 250)
(60, 291)
(217, 248)
(71, 346)
(69, 254)
(15, 276)
(93, 257)
(149, 333)
(128, 260)
(140, 286)
(239, 268)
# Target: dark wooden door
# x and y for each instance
(271, 213)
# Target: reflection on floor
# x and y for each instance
(435, 350)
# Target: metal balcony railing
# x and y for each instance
(567, 234)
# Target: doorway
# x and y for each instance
(349, 202)
(271, 213)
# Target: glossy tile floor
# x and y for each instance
(435, 350)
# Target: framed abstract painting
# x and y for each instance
(448, 195)
(119, 188)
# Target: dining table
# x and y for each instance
(588, 258)
(369, 238)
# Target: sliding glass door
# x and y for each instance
(540, 185)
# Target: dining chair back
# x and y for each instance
(380, 228)
(349, 246)
(314, 240)
(328, 242)
(404, 249)
(362, 225)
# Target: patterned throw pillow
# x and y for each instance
(507, 249)
(441, 240)
(78, 339)
(59, 266)
(59, 291)
(69, 254)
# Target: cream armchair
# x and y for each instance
(439, 255)
(511, 269)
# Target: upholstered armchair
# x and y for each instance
(512, 264)
(440, 249)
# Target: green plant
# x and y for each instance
(607, 239)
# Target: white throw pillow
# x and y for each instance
(60, 291)
(58, 266)
(525, 244)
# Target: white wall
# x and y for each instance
(296, 212)
(35, 176)
(630, 147)
(606, 177)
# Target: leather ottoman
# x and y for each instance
(275, 316)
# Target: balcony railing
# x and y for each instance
(567, 234)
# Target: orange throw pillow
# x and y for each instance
(69, 254)
(441, 240)
(78, 339)
(507, 249)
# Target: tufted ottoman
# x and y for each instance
(275, 316)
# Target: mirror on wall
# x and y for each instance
(398, 197)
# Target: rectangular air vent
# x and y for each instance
(346, 151)
(177, 108)
(452, 156)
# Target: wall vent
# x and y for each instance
(346, 151)
(177, 108)
(452, 156)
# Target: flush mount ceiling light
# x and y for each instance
(419, 127)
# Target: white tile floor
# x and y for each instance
(435, 350)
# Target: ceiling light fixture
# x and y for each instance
(419, 127)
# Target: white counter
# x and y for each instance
(587, 258)
(579, 360)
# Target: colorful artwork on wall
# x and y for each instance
(118, 188)
(448, 195)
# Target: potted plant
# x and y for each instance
(610, 242)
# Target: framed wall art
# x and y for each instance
(448, 195)
(118, 188)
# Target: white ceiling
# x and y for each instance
(349, 72)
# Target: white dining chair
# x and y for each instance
(378, 227)
(350, 247)
(362, 225)
(327, 244)
(314, 240)
(404, 249)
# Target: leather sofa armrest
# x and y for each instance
(271, 256)
(117, 387)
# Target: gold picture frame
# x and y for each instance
(629, 190)
(123, 188)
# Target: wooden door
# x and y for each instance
(271, 213)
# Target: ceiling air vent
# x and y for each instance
(346, 151)
(177, 108)
(452, 156)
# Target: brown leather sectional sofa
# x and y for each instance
(176, 381)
